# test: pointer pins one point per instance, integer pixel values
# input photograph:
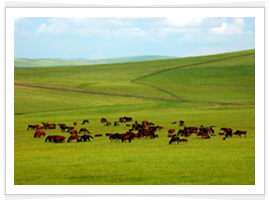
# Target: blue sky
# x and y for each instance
(100, 38)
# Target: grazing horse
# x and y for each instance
(73, 132)
(85, 138)
(32, 127)
(52, 126)
(150, 134)
(84, 130)
(175, 139)
(128, 119)
(115, 137)
(108, 123)
(73, 137)
(50, 138)
(39, 127)
(46, 125)
(227, 132)
(122, 119)
(239, 133)
(75, 123)
(184, 140)
(59, 139)
(85, 121)
(55, 138)
(103, 120)
(125, 137)
(181, 123)
(39, 133)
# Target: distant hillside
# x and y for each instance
(26, 63)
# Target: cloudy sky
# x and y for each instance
(99, 38)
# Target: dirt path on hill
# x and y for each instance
(185, 66)
(125, 94)
(135, 81)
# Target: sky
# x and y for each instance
(102, 38)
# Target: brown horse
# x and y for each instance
(73, 137)
(85, 121)
(175, 139)
(39, 133)
(239, 133)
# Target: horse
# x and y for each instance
(103, 120)
(227, 132)
(175, 139)
(85, 121)
(85, 138)
(46, 125)
(150, 134)
(74, 137)
(75, 123)
(184, 140)
(239, 133)
(39, 133)
(128, 119)
(52, 126)
(75, 132)
(181, 123)
(59, 139)
(122, 119)
(125, 137)
(50, 138)
(84, 130)
(32, 127)
(115, 137)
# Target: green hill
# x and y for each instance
(26, 63)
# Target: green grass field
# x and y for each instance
(216, 90)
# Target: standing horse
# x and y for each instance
(227, 132)
(39, 133)
(175, 139)
(239, 133)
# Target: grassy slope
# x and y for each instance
(30, 63)
(143, 161)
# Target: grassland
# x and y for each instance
(214, 90)
(30, 63)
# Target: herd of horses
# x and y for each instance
(145, 129)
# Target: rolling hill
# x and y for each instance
(26, 63)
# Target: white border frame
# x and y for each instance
(258, 13)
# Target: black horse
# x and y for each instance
(84, 138)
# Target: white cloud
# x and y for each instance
(236, 27)
(16, 19)
(184, 22)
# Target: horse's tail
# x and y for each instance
(46, 139)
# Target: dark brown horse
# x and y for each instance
(73, 137)
(239, 133)
(85, 138)
(39, 133)
(175, 139)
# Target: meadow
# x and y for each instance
(215, 90)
